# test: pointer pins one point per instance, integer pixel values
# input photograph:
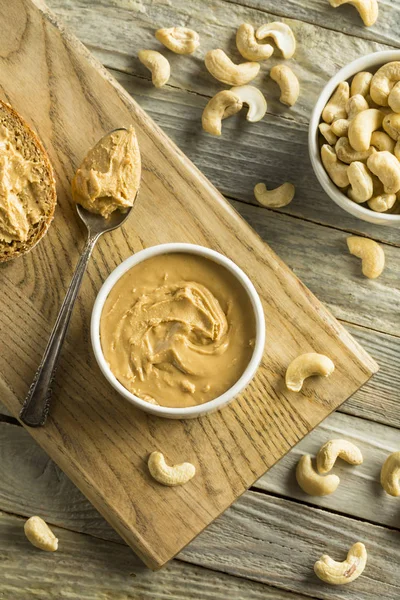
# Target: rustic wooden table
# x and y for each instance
(266, 544)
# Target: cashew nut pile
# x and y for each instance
(339, 573)
(40, 535)
(360, 138)
(171, 476)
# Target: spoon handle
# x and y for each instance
(37, 403)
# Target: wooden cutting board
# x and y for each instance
(95, 436)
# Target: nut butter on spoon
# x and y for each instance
(104, 189)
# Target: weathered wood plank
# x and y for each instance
(345, 19)
(360, 494)
(273, 150)
(86, 568)
(319, 256)
(261, 538)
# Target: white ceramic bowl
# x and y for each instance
(370, 62)
(207, 407)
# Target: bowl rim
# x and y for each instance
(248, 373)
(373, 59)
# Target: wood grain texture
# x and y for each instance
(101, 442)
(93, 569)
(261, 538)
(272, 150)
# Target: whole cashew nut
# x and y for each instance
(336, 170)
(220, 106)
(171, 476)
(307, 365)
(394, 98)
(354, 105)
(336, 106)
(311, 482)
(255, 100)
(249, 47)
(330, 451)
(367, 9)
(339, 573)
(390, 474)
(382, 141)
(280, 196)
(362, 126)
(222, 68)
(382, 202)
(371, 254)
(360, 179)
(361, 83)
(282, 36)
(328, 134)
(391, 124)
(157, 64)
(180, 40)
(346, 153)
(40, 535)
(383, 82)
(386, 166)
(288, 83)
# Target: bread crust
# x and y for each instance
(14, 121)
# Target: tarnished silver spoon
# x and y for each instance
(37, 403)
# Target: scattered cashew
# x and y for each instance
(282, 36)
(311, 482)
(306, 365)
(382, 202)
(394, 98)
(180, 40)
(336, 106)
(382, 141)
(362, 126)
(222, 68)
(361, 83)
(386, 166)
(328, 134)
(336, 170)
(40, 535)
(383, 82)
(255, 100)
(330, 451)
(249, 47)
(157, 64)
(222, 105)
(346, 153)
(288, 83)
(176, 475)
(361, 184)
(354, 105)
(339, 573)
(391, 124)
(371, 254)
(367, 9)
(390, 474)
(280, 196)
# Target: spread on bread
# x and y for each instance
(108, 178)
(178, 328)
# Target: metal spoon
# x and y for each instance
(37, 403)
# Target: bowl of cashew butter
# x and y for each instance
(178, 330)
(354, 138)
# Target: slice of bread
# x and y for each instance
(31, 148)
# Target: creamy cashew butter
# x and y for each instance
(108, 178)
(21, 202)
(178, 330)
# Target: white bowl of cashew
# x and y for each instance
(370, 62)
(246, 376)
